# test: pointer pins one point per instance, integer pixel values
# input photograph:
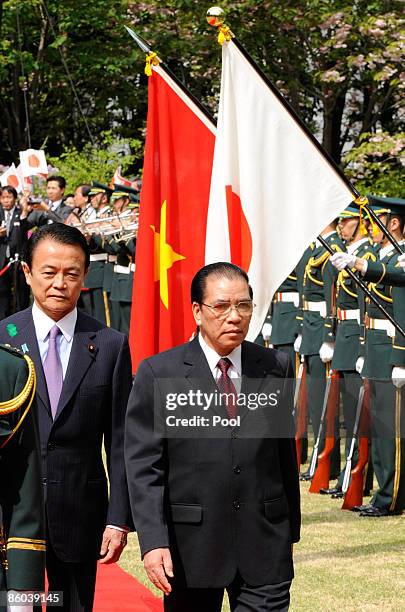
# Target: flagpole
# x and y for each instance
(146, 48)
(215, 18)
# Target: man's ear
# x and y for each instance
(197, 313)
(27, 272)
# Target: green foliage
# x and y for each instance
(97, 163)
(339, 63)
(377, 164)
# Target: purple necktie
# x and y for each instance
(53, 370)
(225, 385)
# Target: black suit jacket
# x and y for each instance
(92, 406)
(222, 504)
(17, 236)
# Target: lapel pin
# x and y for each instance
(11, 330)
(91, 348)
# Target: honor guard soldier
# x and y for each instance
(94, 298)
(317, 292)
(124, 200)
(22, 546)
(349, 314)
(383, 350)
(284, 324)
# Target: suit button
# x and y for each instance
(44, 481)
(51, 446)
(237, 469)
(236, 505)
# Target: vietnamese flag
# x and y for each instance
(173, 216)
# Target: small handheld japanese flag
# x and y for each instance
(33, 162)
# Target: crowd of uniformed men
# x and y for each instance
(319, 316)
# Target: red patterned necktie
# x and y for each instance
(226, 386)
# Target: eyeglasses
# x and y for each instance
(222, 309)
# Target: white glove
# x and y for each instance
(401, 261)
(297, 343)
(359, 364)
(266, 331)
(398, 376)
(340, 260)
(326, 351)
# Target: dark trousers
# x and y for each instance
(77, 581)
(242, 598)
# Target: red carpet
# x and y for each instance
(117, 591)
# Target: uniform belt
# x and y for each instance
(290, 296)
(111, 258)
(380, 324)
(345, 315)
(316, 307)
(99, 257)
(124, 269)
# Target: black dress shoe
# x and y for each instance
(333, 491)
(374, 512)
(305, 476)
(338, 495)
(361, 508)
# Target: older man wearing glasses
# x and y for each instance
(215, 512)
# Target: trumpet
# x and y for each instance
(119, 225)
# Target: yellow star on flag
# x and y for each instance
(165, 256)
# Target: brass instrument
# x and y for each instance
(123, 226)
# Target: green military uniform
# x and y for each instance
(382, 352)
(378, 272)
(316, 329)
(123, 271)
(350, 313)
(122, 284)
(23, 533)
(94, 298)
(284, 310)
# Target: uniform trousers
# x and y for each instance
(242, 598)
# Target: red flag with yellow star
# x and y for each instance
(173, 216)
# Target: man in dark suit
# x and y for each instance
(14, 293)
(51, 210)
(84, 378)
(215, 512)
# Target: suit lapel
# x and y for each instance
(83, 354)
(253, 375)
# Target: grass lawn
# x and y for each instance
(343, 562)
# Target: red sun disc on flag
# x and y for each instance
(12, 181)
(240, 236)
(33, 161)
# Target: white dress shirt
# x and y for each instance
(43, 325)
(235, 357)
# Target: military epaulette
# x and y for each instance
(13, 350)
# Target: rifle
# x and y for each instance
(354, 493)
(321, 477)
(349, 458)
(300, 409)
(321, 424)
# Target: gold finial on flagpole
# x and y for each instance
(216, 19)
(151, 60)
